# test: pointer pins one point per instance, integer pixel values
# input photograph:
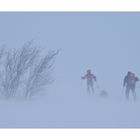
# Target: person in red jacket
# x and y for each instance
(130, 84)
(90, 78)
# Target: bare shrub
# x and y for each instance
(25, 70)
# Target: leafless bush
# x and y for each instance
(24, 71)
(40, 74)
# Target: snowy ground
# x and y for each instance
(70, 111)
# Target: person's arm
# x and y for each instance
(95, 78)
(83, 77)
(137, 79)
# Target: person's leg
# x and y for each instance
(92, 87)
(133, 92)
(88, 87)
(127, 92)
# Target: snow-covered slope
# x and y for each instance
(68, 111)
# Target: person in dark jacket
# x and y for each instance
(90, 80)
(130, 84)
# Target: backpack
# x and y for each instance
(132, 79)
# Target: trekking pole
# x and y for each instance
(97, 86)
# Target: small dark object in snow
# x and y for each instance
(103, 93)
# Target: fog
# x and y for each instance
(106, 43)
